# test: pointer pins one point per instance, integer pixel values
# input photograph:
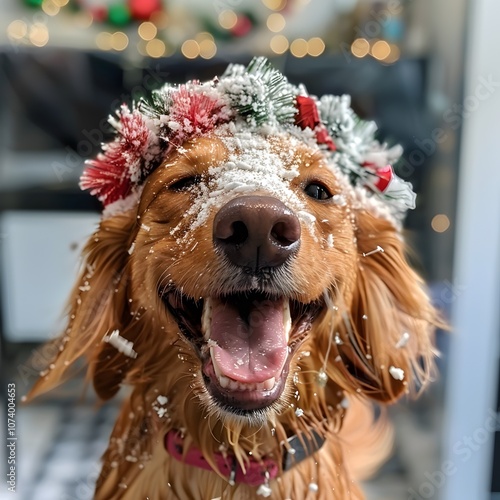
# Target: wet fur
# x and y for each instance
(120, 290)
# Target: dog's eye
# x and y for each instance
(317, 191)
(185, 183)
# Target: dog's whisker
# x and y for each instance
(187, 376)
(257, 430)
(329, 301)
(160, 282)
(311, 382)
(355, 345)
(211, 429)
(327, 355)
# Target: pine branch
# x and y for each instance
(157, 104)
(261, 93)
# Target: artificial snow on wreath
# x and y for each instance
(256, 98)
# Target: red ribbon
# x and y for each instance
(323, 137)
(308, 117)
(384, 175)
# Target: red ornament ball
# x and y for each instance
(143, 9)
(242, 27)
(99, 14)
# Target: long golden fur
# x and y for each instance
(367, 302)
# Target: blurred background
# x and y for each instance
(427, 71)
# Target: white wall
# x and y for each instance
(39, 259)
(476, 312)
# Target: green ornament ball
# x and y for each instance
(118, 14)
(33, 3)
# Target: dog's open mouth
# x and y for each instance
(245, 342)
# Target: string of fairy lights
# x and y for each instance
(158, 34)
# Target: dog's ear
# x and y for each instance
(98, 305)
(385, 334)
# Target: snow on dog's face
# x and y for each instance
(242, 238)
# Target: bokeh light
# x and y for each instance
(299, 47)
(190, 49)
(119, 41)
(276, 22)
(155, 48)
(279, 44)
(440, 223)
(315, 46)
(17, 29)
(360, 47)
(228, 19)
(380, 50)
(39, 34)
(147, 30)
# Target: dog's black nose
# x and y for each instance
(256, 232)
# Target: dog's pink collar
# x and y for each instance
(257, 472)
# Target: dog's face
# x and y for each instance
(252, 289)
(241, 247)
(249, 272)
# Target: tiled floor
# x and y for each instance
(59, 449)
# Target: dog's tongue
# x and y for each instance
(249, 342)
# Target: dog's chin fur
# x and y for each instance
(362, 306)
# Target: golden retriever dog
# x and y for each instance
(248, 285)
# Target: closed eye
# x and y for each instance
(185, 183)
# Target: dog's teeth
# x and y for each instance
(246, 387)
(214, 362)
(287, 320)
(233, 385)
(206, 318)
(224, 382)
(269, 383)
